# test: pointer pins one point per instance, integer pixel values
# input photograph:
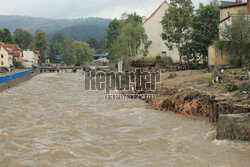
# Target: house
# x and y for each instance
(154, 30)
(227, 11)
(13, 51)
(28, 59)
(4, 57)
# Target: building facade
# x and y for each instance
(227, 11)
(28, 59)
(4, 57)
(153, 29)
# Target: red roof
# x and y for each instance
(12, 49)
(165, 1)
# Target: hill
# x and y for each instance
(94, 26)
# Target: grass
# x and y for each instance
(147, 59)
(236, 69)
(204, 79)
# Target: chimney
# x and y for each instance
(248, 6)
(238, 1)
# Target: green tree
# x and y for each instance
(23, 38)
(205, 31)
(83, 52)
(236, 40)
(56, 47)
(112, 34)
(101, 46)
(68, 54)
(40, 43)
(131, 37)
(5, 36)
(177, 24)
(93, 43)
(58, 37)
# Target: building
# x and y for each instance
(153, 29)
(4, 57)
(227, 11)
(28, 59)
(14, 51)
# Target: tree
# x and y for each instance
(131, 37)
(205, 31)
(68, 55)
(177, 24)
(56, 47)
(112, 34)
(40, 43)
(5, 36)
(23, 38)
(58, 37)
(101, 46)
(82, 52)
(93, 43)
(236, 40)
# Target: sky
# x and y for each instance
(73, 9)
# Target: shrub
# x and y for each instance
(244, 86)
(167, 60)
(230, 87)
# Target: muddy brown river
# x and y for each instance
(52, 121)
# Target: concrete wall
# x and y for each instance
(14, 82)
(234, 127)
(4, 58)
(153, 29)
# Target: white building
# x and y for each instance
(153, 29)
(28, 58)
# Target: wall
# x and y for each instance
(216, 56)
(153, 29)
(233, 10)
(28, 59)
(5, 58)
(223, 15)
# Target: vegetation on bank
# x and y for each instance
(126, 37)
(236, 40)
(57, 49)
(191, 31)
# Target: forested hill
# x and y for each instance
(78, 29)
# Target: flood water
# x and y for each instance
(51, 121)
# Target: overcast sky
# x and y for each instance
(70, 9)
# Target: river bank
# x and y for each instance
(189, 93)
(10, 81)
(52, 121)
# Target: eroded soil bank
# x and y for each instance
(189, 93)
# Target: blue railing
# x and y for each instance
(16, 75)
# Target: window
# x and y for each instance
(228, 13)
(2, 56)
(2, 63)
(164, 54)
(164, 36)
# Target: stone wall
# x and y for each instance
(234, 127)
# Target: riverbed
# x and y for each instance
(52, 121)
